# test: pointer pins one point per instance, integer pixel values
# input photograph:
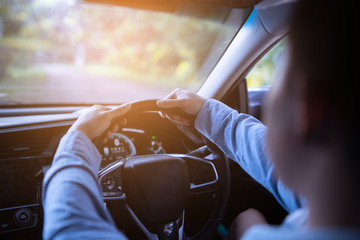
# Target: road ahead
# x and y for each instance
(68, 84)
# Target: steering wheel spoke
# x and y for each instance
(111, 182)
(203, 175)
(171, 230)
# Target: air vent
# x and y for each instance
(25, 143)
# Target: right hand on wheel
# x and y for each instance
(187, 101)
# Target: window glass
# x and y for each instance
(262, 72)
(69, 51)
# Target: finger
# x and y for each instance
(101, 107)
(170, 116)
(174, 117)
(179, 120)
(99, 141)
(173, 94)
(114, 128)
(103, 138)
(107, 135)
(120, 110)
(106, 108)
(163, 115)
(169, 103)
(185, 122)
(123, 121)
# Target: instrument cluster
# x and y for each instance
(130, 142)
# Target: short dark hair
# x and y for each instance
(322, 40)
(323, 43)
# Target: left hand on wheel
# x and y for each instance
(95, 122)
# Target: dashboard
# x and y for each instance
(26, 153)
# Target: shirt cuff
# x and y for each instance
(203, 113)
(211, 116)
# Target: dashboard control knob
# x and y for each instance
(23, 216)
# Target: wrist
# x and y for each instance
(76, 127)
(201, 103)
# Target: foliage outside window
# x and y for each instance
(65, 51)
(262, 72)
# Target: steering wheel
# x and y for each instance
(155, 188)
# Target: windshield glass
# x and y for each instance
(61, 52)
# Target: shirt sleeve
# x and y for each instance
(72, 200)
(243, 138)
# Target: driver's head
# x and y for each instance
(311, 115)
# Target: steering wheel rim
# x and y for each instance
(150, 105)
(219, 161)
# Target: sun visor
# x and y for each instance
(230, 3)
(172, 5)
(155, 5)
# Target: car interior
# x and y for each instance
(210, 189)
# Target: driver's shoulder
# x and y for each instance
(295, 227)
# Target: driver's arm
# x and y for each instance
(240, 136)
(72, 199)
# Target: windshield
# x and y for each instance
(62, 52)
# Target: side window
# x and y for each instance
(262, 72)
(259, 79)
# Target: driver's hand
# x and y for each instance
(95, 122)
(187, 101)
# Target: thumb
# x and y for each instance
(169, 103)
(120, 110)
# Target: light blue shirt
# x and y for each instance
(73, 205)
(242, 138)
